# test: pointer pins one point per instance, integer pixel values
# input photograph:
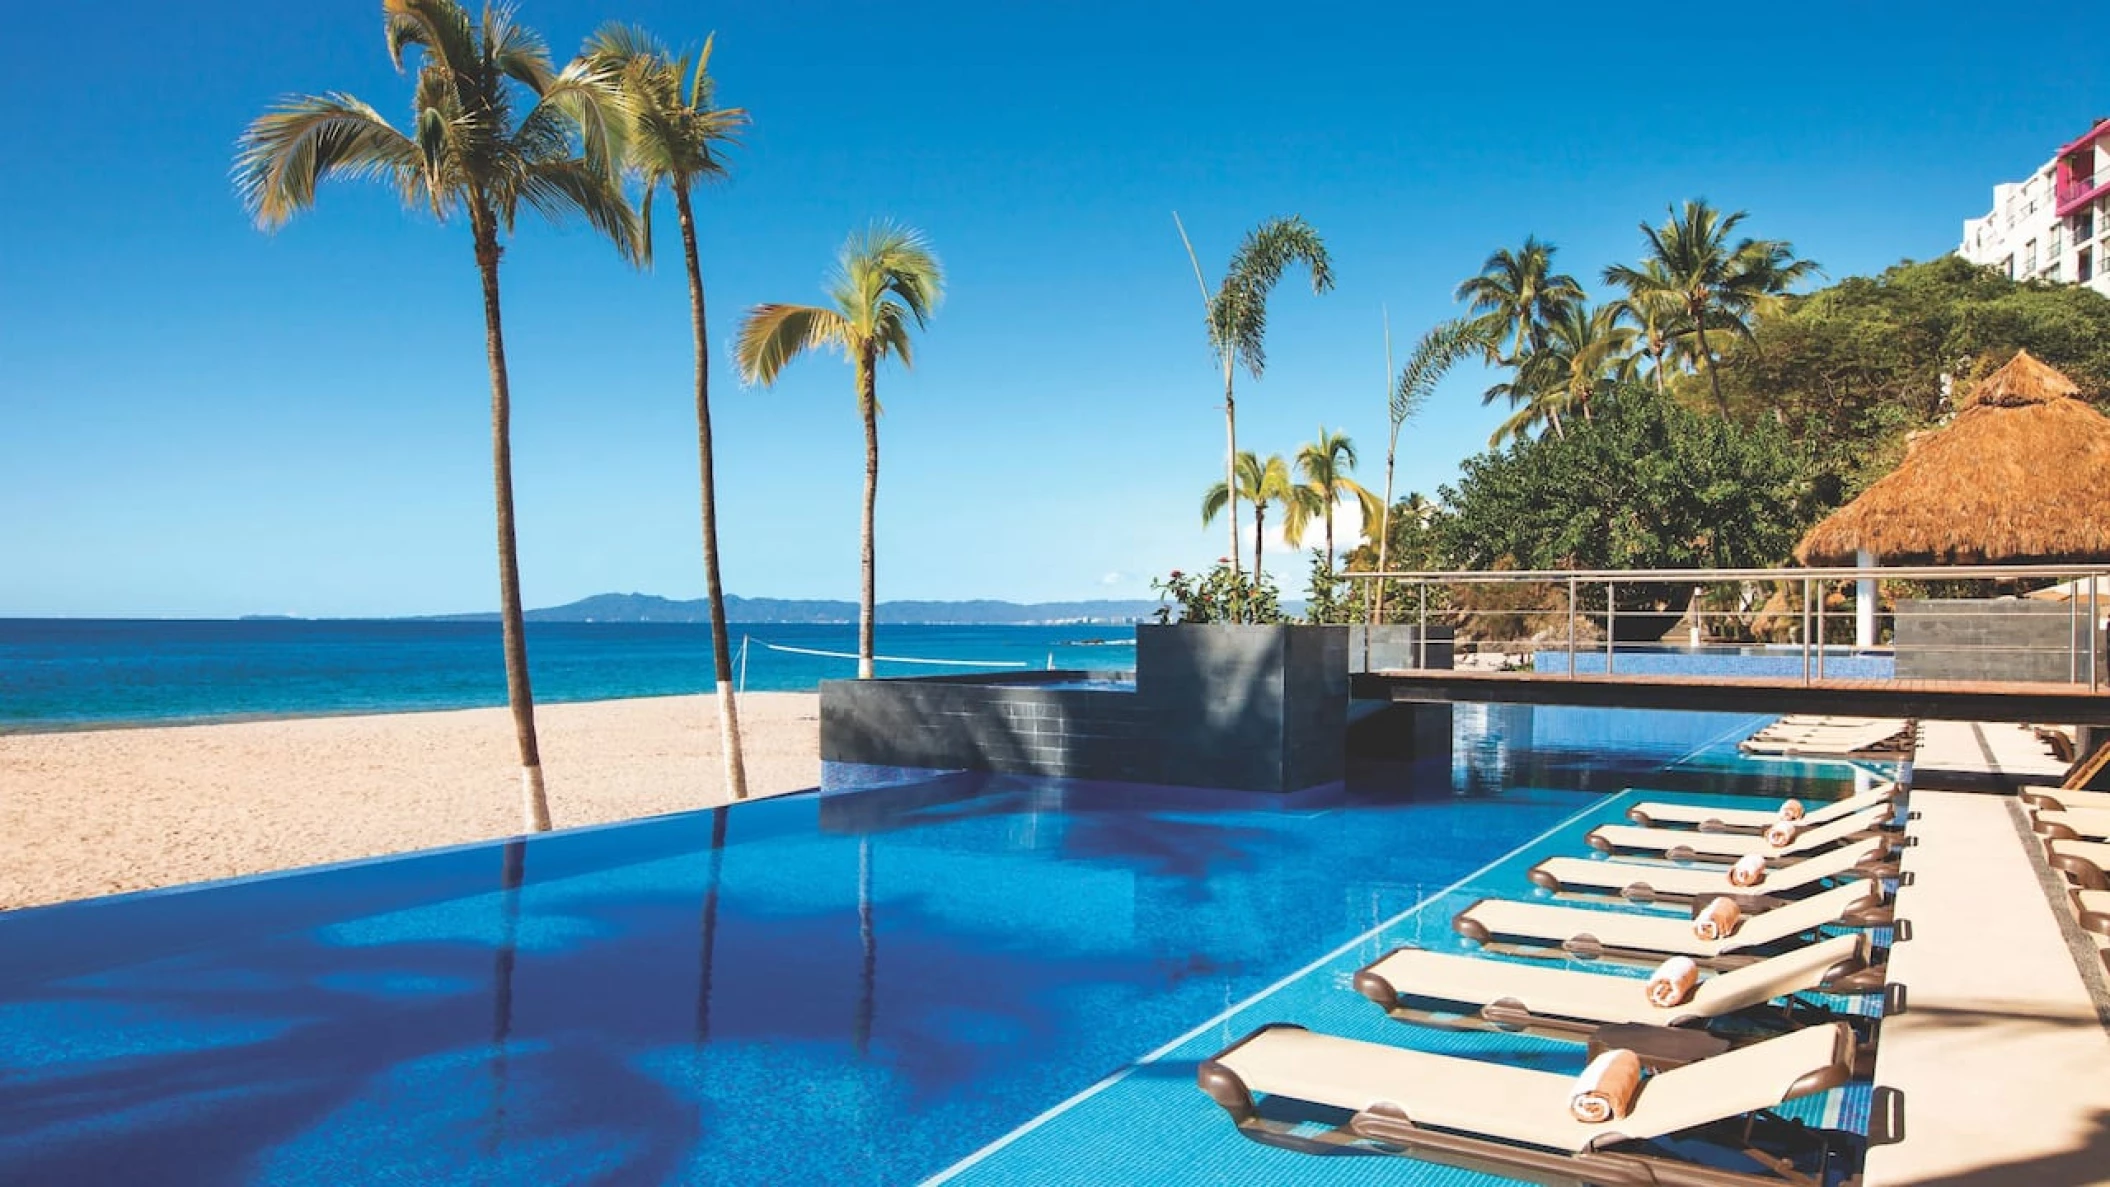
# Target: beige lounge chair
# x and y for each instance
(1647, 938)
(1568, 1003)
(2092, 908)
(1643, 882)
(1514, 1121)
(2063, 798)
(1684, 844)
(1654, 814)
(2085, 863)
(2071, 824)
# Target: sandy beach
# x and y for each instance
(101, 811)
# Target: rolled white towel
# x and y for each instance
(1749, 870)
(1717, 920)
(1605, 1090)
(1791, 810)
(1673, 982)
(1781, 833)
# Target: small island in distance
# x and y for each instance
(637, 607)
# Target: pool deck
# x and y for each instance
(1993, 1071)
(1982, 756)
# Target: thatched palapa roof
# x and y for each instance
(2021, 474)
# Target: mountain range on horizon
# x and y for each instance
(639, 607)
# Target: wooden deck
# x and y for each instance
(1941, 700)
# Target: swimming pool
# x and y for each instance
(971, 978)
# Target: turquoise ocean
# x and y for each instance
(87, 673)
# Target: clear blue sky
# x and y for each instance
(200, 419)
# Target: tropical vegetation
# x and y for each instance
(495, 126)
(887, 281)
(1260, 484)
(1236, 315)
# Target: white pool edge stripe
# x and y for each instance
(1056, 1110)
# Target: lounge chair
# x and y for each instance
(2085, 863)
(1642, 882)
(1753, 820)
(1544, 999)
(1514, 1121)
(1647, 938)
(1684, 844)
(2071, 824)
(2064, 798)
(2091, 907)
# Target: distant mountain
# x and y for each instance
(636, 607)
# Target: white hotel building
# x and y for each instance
(2054, 225)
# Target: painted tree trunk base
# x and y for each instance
(534, 800)
(729, 741)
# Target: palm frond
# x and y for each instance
(442, 28)
(772, 335)
(1238, 312)
(285, 152)
(516, 51)
(558, 189)
(1442, 347)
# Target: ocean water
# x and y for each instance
(75, 673)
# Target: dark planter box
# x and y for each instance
(1253, 707)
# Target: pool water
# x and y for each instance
(969, 978)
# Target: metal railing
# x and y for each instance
(1805, 623)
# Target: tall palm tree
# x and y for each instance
(1262, 484)
(885, 278)
(1323, 464)
(1518, 294)
(1715, 283)
(1237, 314)
(677, 133)
(1583, 351)
(1442, 347)
(471, 153)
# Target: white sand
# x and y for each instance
(100, 811)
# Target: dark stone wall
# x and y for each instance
(1245, 707)
(1975, 639)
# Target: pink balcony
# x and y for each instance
(2079, 181)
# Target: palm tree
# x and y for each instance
(1324, 465)
(676, 134)
(1584, 350)
(1714, 283)
(470, 153)
(1518, 294)
(1440, 349)
(1657, 317)
(1237, 313)
(885, 278)
(1262, 484)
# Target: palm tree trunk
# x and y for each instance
(1259, 532)
(1707, 356)
(1231, 464)
(868, 403)
(1657, 354)
(1384, 542)
(513, 627)
(714, 587)
(1329, 541)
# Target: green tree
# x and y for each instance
(471, 152)
(1517, 294)
(885, 278)
(1323, 465)
(1716, 284)
(1439, 349)
(1646, 484)
(1854, 368)
(1262, 484)
(676, 137)
(1584, 351)
(1237, 313)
